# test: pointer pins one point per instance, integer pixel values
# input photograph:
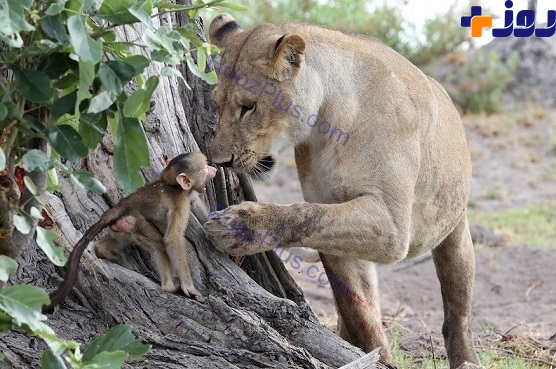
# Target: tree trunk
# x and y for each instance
(252, 315)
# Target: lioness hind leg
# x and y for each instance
(454, 260)
(355, 287)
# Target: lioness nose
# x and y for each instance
(223, 163)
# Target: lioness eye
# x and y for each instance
(245, 109)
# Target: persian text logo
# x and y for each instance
(524, 25)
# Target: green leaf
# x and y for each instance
(232, 6)
(198, 70)
(64, 105)
(165, 44)
(56, 7)
(33, 122)
(67, 141)
(114, 74)
(101, 102)
(138, 62)
(35, 213)
(201, 59)
(154, 40)
(1, 356)
(6, 322)
(30, 185)
(92, 128)
(139, 102)
(8, 266)
(54, 65)
(67, 81)
(122, 69)
(172, 72)
(189, 33)
(177, 7)
(131, 151)
(87, 48)
(33, 85)
(91, 4)
(117, 12)
(45, 240)
(3, 111)
(192, 14)
(29, 296)
(36, 160)
(2, 159)
(143, 16)
(54, 28)
(24, 303)
(108, 360)
(52, 180)
(117, 339)
(88, 182)
(109, 79)
(22, 224)
(12, 21)
(86, 79)
(51, 361)
(163, 56)
(40, 48)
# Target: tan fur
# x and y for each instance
(139, 218)
(396, 189)
(164, 204)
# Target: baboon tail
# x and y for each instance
(109, 217)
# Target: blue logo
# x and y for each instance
(524, 23)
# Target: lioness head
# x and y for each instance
(256, 94)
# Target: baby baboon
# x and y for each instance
(164, 205)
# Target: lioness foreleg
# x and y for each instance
(355, 286)
(454, 260)
(365, 227)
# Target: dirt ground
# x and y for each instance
(514, 165)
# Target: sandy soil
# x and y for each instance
(514, 165)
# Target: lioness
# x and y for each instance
(397, 187)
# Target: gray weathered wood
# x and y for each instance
(369, 361)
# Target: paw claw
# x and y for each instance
(235, 230)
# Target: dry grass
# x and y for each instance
(496, 351)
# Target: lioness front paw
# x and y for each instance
(240, 230)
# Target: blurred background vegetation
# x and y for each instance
(475, 81)
(377, 18)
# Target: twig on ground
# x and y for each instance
(433, 355)
(535, 284)
(515, 354)
(395, 316)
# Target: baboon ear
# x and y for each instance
(222, 28)
(288, 56)
(184, 181)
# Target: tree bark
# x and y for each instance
(250, 316)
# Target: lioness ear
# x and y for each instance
(222, 28)
(288, 55)
(184, 181)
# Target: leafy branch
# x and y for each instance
(65, 78)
